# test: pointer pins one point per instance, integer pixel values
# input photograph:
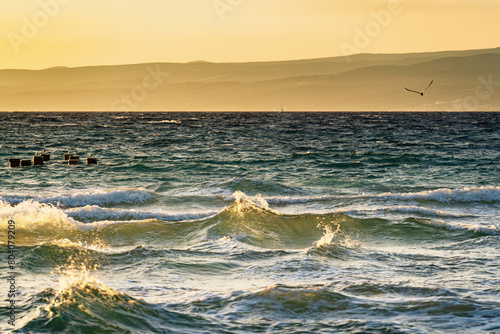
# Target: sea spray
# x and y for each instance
(328, 236)
(243, 203)
(335, 243)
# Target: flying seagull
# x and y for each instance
(422, 92)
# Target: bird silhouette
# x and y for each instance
(422, 92)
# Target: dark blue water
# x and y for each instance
(253, 223)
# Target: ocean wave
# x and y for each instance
(96, 213)
(87, 305)
(248, 221)
(37, 223)
(263, 202)
(476, 228)
(30, 215)
(243, 203)
(466, 195)
(101, 198)
(227, 190)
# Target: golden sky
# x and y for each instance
(46, 33)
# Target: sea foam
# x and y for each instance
(94, 212)
(465, 195)
(101, 198)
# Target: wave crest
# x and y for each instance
(101, 198)
(96, 213)
(87, 305)
(37, 220)
(244, 203)
(486, 194)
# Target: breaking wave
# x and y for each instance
(466, 195)
(102, 198)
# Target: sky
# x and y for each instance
(46, 33)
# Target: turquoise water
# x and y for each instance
(253, 223)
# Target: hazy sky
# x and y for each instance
(45, 33)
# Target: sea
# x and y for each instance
(251, 223)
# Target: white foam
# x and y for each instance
(466, 195)
(93, 212)
(31, 215)
(490, 230)
(165, 121)
(243, 203)
(102, 197)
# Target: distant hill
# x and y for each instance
(463, 80)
